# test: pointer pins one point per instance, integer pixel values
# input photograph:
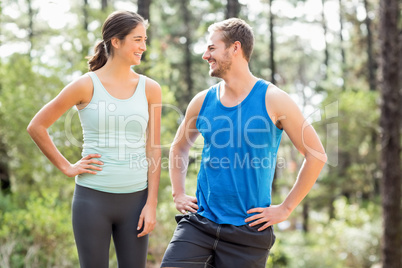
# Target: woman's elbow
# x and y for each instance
(34, 128)
(30, 128)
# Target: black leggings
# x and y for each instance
(97, 216)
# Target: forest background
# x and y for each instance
(338, 59)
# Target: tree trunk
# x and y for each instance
(272, 44)
(5, 183)
(85, 14)
(143, 8)
(306, 210)
(232, 9)
(390, 134)
(343, 54)
(187, 54)
(104, 5)
(331, 208)
(400, 69)
(30, 28)
(371, 66)
(371, 72)
(85, 23)
(326, 52)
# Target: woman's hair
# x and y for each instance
(233, 30)
(118, 24)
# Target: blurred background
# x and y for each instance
(327, 54)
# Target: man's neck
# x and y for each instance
(239, 82)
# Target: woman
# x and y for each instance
(117, 178)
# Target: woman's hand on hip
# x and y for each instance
(84, 165)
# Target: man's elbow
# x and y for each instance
(178, 149)
(323, 159)
(317, 158)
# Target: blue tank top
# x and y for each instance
(239, 156)
(115, 129)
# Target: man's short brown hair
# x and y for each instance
(233, 30)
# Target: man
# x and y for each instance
(229, 222)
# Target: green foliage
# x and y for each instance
(350, 240)
(355, 173)
(37, 234)
(22, 96)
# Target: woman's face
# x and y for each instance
(133, 45)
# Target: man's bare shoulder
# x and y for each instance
(274, 92)
(196, 103)
(277, 99)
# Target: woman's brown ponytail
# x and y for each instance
(99, 59)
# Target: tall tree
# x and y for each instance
(390, 134)
(4, 173)
(143, 8)
(272, 43)
(232, 9)
(325, 28)
(31, 14)
(187, 51)
(306, 216)
(370, 56)
(85, 15)
(342, 45)
(84, 39)
(371, 66)
(5, 183)
(104, 5)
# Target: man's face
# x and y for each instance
(217, 56)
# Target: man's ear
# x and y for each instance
(236, 46)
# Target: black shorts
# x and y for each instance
(199, 242)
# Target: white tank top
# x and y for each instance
(116, 129)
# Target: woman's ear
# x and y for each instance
(115, 42)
